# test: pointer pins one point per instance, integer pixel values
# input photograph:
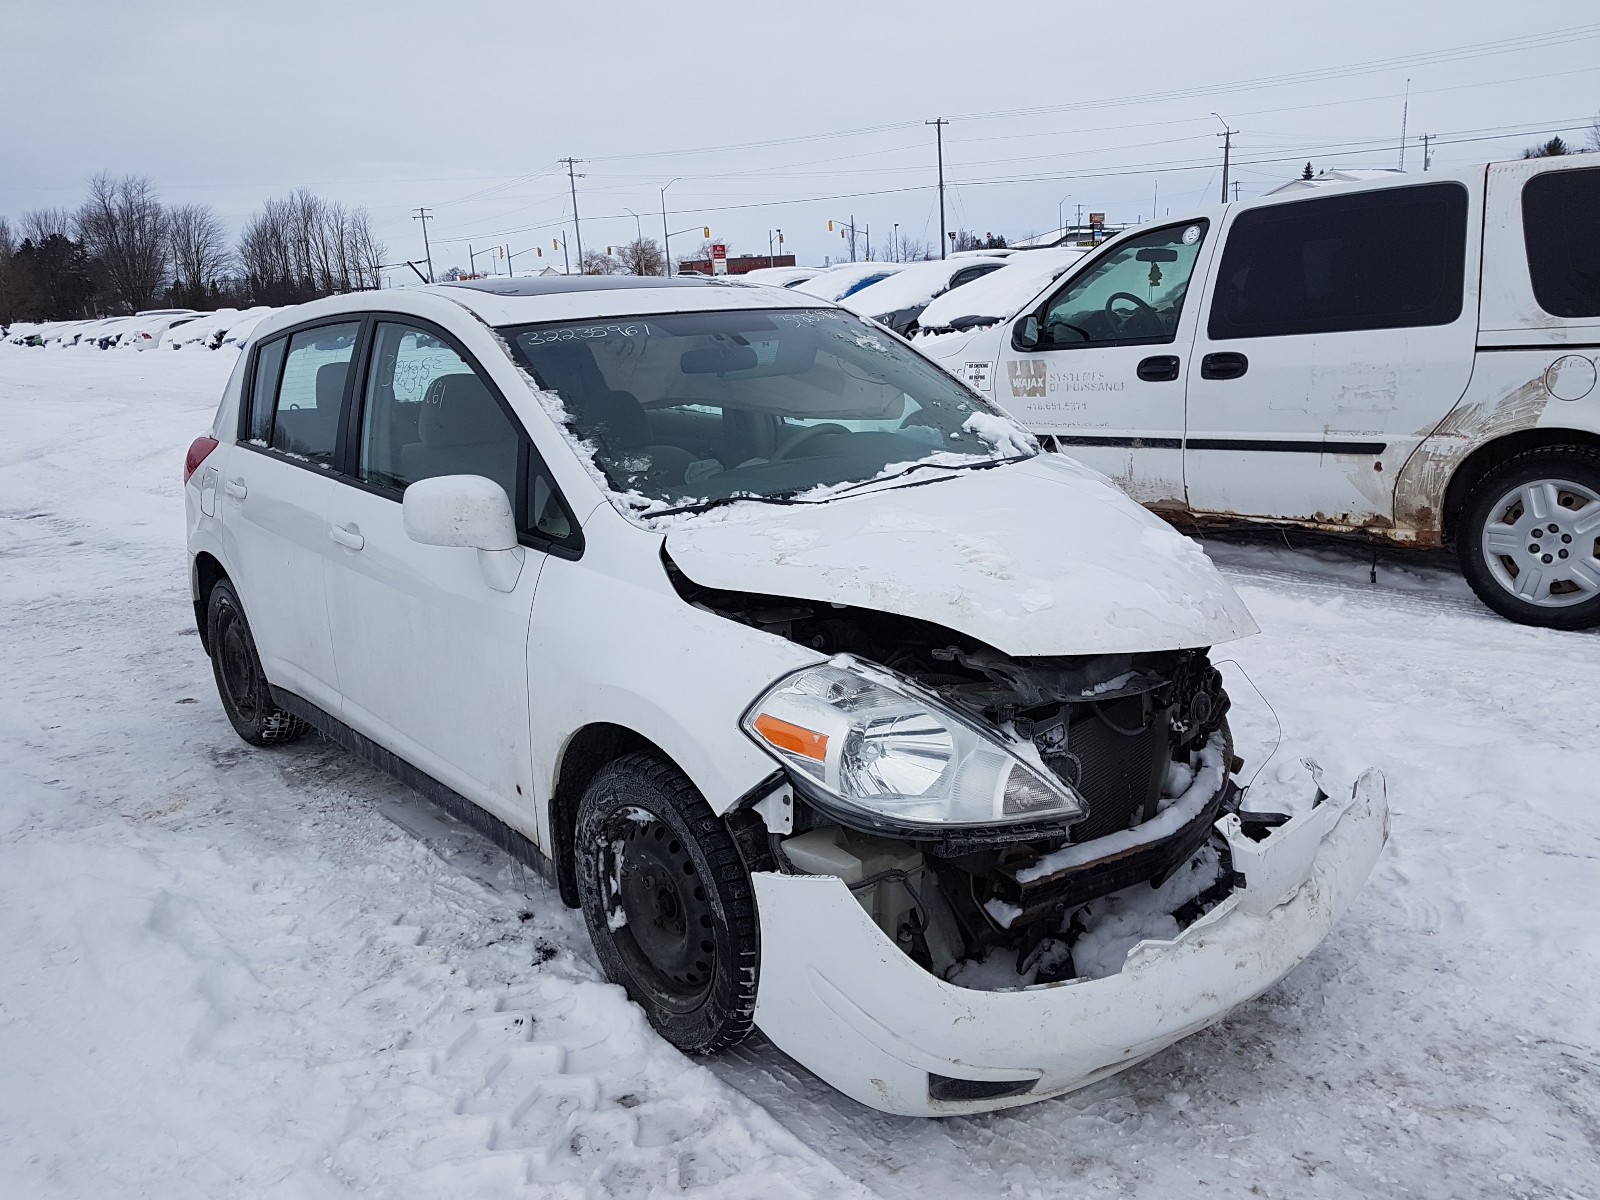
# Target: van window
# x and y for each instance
(1561, 228)
(1392, 259)
(1134, 295)
(305, 420)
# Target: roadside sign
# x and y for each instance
(719, 258)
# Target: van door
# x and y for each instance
(432, 659)
(1340, 330)
(1100, 364)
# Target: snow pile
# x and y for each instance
(1005, 435)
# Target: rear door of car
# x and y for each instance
(432, 660)
(1338, 331)
(277, 482)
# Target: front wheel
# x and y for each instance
(668, 902)
(1529, 541)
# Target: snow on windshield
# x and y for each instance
(691, 408)
(999, 294)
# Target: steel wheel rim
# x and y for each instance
(237, 667)
(1542, 542)
(658, 908)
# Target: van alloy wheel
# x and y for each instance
(1529, 538)
(1540, 542)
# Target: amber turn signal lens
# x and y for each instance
(794, 738)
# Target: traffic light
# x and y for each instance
(706, 232)
(830, 226)
(555, 243)
(539, 251)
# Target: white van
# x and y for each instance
(1412, 358)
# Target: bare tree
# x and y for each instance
(303, 246)
(41, 223)
(1594, 133)
(912, 250)
(199, 251)
(643, 257)
(123, 225)
(596, 263)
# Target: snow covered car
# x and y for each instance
(840, 708)
(843, 279)
(897, 302)
(1410, 360)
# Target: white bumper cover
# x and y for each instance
(844, 1001)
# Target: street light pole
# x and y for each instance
(666, 238)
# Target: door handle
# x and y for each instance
(347, 536)
(1224, 364)
(236, 488)
(1159, 368)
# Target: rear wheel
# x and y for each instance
(241, 683)
(1529, 541)
(668, 903)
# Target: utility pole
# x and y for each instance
(1077, 227)
(1236, 191)
(666, 238)
(510, 274)
(852, 237)
(572, 180)
(1155, 198)
(425, 216)
(1426, 158)
(894, 249)
(1405, 113)
(1227, 151)
(938, 134)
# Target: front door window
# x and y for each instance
(1134, 295)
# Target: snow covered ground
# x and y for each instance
(230, 972)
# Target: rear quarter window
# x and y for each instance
(1561, 229)
(1390, 259)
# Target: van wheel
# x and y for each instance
(246, 698)
(668, 903)
(1530, 538)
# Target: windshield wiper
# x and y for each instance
(720, 501)
(982, 465)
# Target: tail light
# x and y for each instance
(198, 450)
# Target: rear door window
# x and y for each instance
(310, 399)
(1561, 228)
(1390, 259)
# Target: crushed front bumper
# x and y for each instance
(840, 998)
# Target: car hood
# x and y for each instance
(1043, 557)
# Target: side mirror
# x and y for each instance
(459, 510)
(1025, 333)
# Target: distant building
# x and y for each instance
(737, 266)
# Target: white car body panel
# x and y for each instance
(840, 997)
(484, 690)
(1037, 558)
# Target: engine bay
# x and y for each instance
(1142, 738)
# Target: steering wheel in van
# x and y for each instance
(1142, 313)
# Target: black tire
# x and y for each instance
(668, 902)
(241, 684)
(1487, 502)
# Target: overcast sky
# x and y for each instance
(771, 115)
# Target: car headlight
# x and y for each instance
(873, 742)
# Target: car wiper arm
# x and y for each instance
(981, 465)
(720, 501)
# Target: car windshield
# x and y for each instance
(684, 408)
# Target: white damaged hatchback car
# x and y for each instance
(839, 708)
